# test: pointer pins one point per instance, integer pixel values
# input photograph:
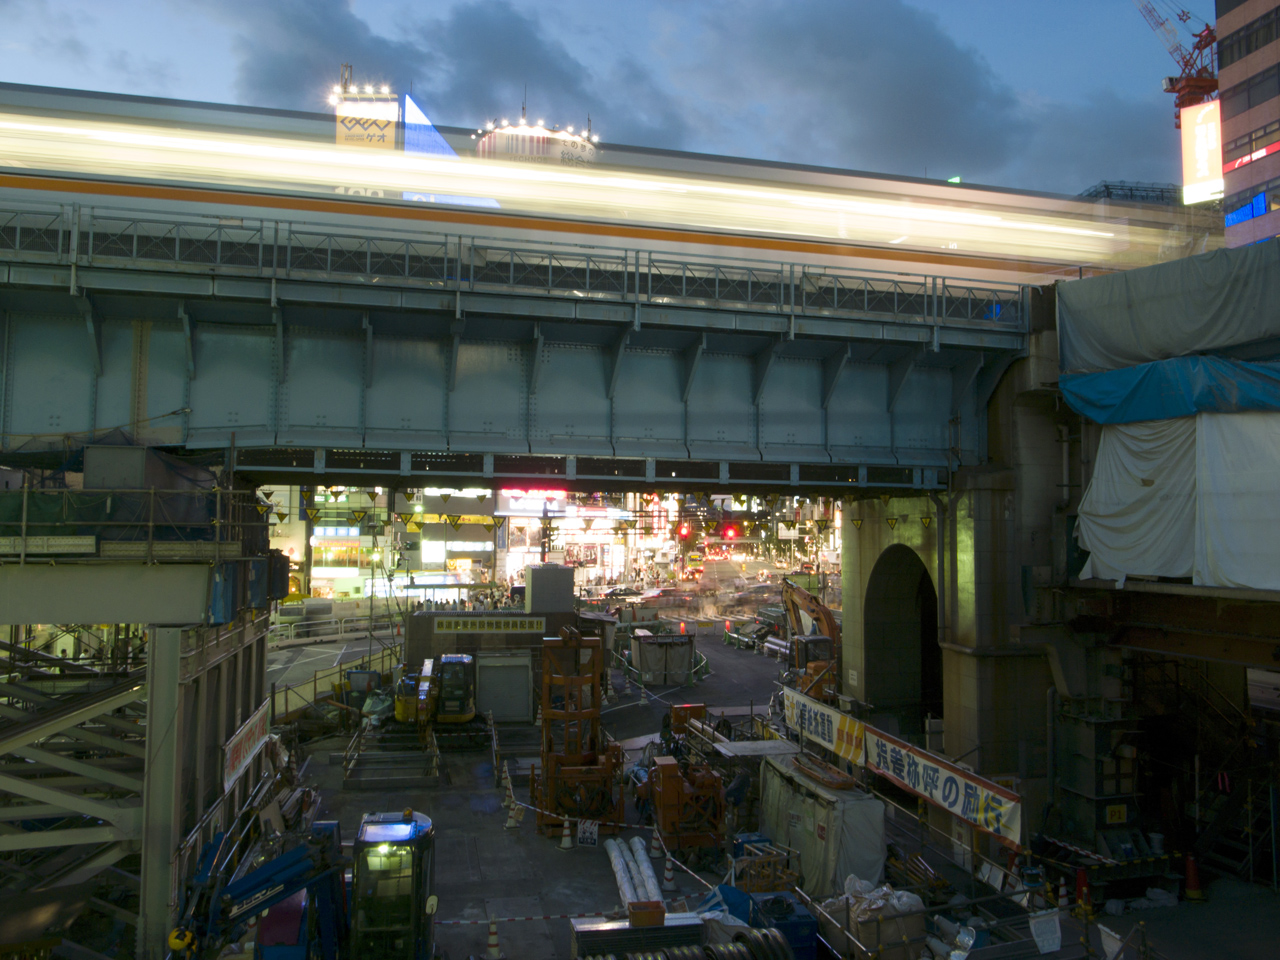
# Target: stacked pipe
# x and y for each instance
(641, 856)
(621, 872)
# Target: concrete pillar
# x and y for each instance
(160, 791)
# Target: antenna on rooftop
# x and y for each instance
(344, 78)
(524, 103)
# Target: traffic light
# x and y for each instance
(730, 532)
(684, 531)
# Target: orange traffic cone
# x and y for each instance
(655, 845)
(669, 877)
(1192, 889)
(1063, 901)
(494, 952)
(566, 838)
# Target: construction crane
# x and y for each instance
(1198, 79)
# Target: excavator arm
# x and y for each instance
(796, 599)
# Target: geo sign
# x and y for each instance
(1201, 152)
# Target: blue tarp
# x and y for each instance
(1178, 387)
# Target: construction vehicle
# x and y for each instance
(440, 700)
(300, 895)
(814, 657)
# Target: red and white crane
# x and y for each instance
(1198, 79)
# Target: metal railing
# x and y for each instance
(332, 628)
(287, 699)
(89, 236)
(150, 525)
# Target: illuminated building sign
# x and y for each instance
(1254, 208)
(531, 503)
(367, 123)
(1201, 153)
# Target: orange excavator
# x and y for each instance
(815, 656)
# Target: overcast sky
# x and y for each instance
(1022, 93)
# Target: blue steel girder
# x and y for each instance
(209, 360)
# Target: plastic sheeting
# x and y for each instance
(836, 832)
(1191, 497)
(1205, 303)
(1181, 387)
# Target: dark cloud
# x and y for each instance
(471, 64)
(878, 85)
(865, 84)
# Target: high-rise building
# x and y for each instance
(1249, 81)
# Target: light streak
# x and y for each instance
(970, 221)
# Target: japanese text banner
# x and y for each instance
(838, 732)
(978, 801)
(982, 803)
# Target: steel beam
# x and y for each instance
(535, 366)
(160, 797)
(615, 368)
(832, 368)
(898, 371)
(39, 839)
(763, 365)
(124, 814)
(78, 711)
(692, 357)
(962, 376)
(1246, 651)
(81, 768)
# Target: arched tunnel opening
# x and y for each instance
(903, 661)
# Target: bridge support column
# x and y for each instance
(160, 793)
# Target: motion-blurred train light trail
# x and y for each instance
(881, 213)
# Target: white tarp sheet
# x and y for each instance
(836, 832)
(1191, 497)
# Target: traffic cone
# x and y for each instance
(1063, 901)
(494, 952)
(626, 683)
(511, 823)
(566, 838)
(538, 718)
(669, 877)
(644, 694)
(655, 845)
(1192, 889)
(506, 791)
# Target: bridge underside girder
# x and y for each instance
(304, 378)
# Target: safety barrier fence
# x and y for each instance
(332, 628)
(149, 525)
(288, 701)
(90, 236)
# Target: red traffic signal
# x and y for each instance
(730, 532)
(684, 531)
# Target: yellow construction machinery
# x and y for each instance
(814, 657)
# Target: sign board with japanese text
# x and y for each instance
(986, 805)
(245, 744)
(588, 833)
(989, 807)
(491, 625)
(838, 732)
(367, 123)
